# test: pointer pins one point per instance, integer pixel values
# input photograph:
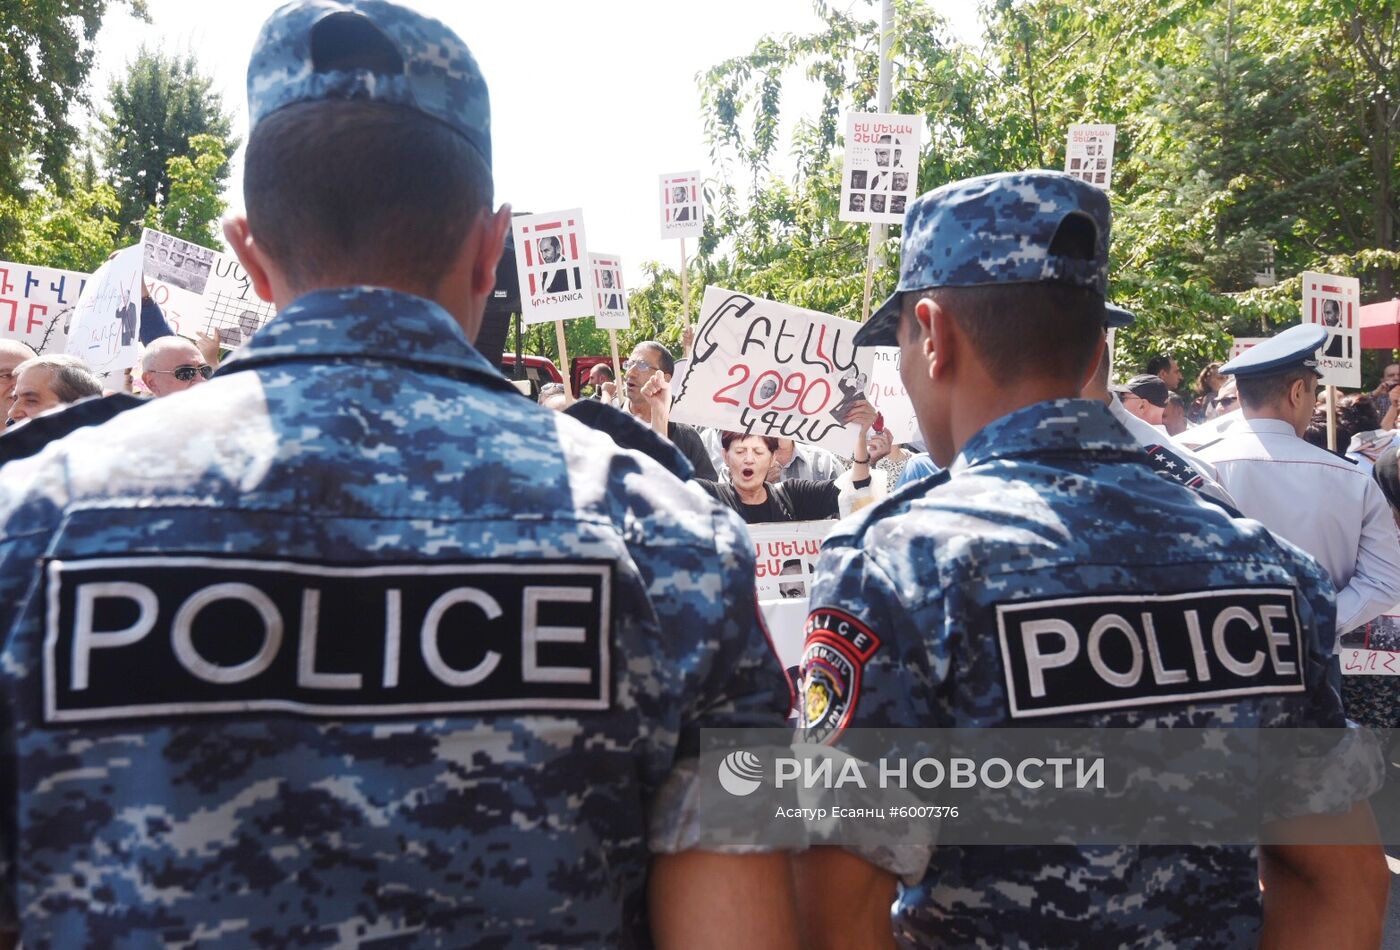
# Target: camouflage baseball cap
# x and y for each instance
(313, 50)
(996, 229)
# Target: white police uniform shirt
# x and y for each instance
(1321, 503)
(1154, 440)
(1210, 430)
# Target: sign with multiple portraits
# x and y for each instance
(1089, 154)
(785, 556)
(201, 290)
(682, 205)
(1334, 303)
(609, 296)
(37, 303)
(1372, 650)
(551, 260)
(766, 368)
(880, 175)
(107, 318)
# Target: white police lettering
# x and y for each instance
(204, 635)
(1073, 654)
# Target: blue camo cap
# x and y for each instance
(370, 50)
(994, 229)
(1294, 348)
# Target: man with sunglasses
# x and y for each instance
(1323, 504)
(172, 364)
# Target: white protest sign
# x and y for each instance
(886, 393)
(551, 260)
(785, 556)
(107, 318)
(1372, 650)
(609, 296)
(201, 290)
(1240, 344)
(766, 368)
(36, 304)
(881, 171)
(682, 205)
(1089, 155)
(1333, 302)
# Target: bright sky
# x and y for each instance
(590, 102)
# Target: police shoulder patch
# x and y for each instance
(837, 648)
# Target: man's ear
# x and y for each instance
(249, 254)
(489, 247)
(939, 340)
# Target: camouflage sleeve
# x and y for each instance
(857, 672)
(738, 684)
(27, 521)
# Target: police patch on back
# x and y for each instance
(1080, 654)
(159, 636)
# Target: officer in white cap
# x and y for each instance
(1302, 493)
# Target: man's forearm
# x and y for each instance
(702, 899)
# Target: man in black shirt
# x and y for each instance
(647, 374)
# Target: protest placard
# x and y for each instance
(886, 393)
(1372, 650)
(682, 205)
(785, 556)
(551, 260)
(880, 175)
(201, 290)
(1240, 344)
(36, 304)
(107, 317)
(609, 296)
(766, 368)
(1089, 154)
(1332, 302)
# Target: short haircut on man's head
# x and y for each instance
(602, 369)
(72, 380)
(664, 360)
(17, 348)
(1158, 363)
(366, 192)
(1042, 329)
(1256, 392)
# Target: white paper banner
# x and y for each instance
(107, 318)
(766, 368)
(1241, 344)
(609, 296)
(785, 556)
(886, 393)
(201, 290)
(1089, 154)
(881, 171)
(37, 303)
(1373, 650)
(682, 205)
(551, 260)
(1334, 303)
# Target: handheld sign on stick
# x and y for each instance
(1089, 154)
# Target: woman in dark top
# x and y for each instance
(748, 492)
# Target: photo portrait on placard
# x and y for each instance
(682, 205)
(174, 261)
(880, 174)
(1331, 302)
(551, 260)
(609, 294)
(1089, 154)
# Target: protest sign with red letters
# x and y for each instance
(880, 175)
(766, 368)
(609, 296)
(37, 303)
(1332, 303)
(682, 205)
(551, 260)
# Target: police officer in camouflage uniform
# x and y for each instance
(1048, 506)
(353, 644)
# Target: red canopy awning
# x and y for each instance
(1380, 325)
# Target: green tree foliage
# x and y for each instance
(194, 203)
(1241, 124)
(73, 228)
(155, 111)
(46, 53)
